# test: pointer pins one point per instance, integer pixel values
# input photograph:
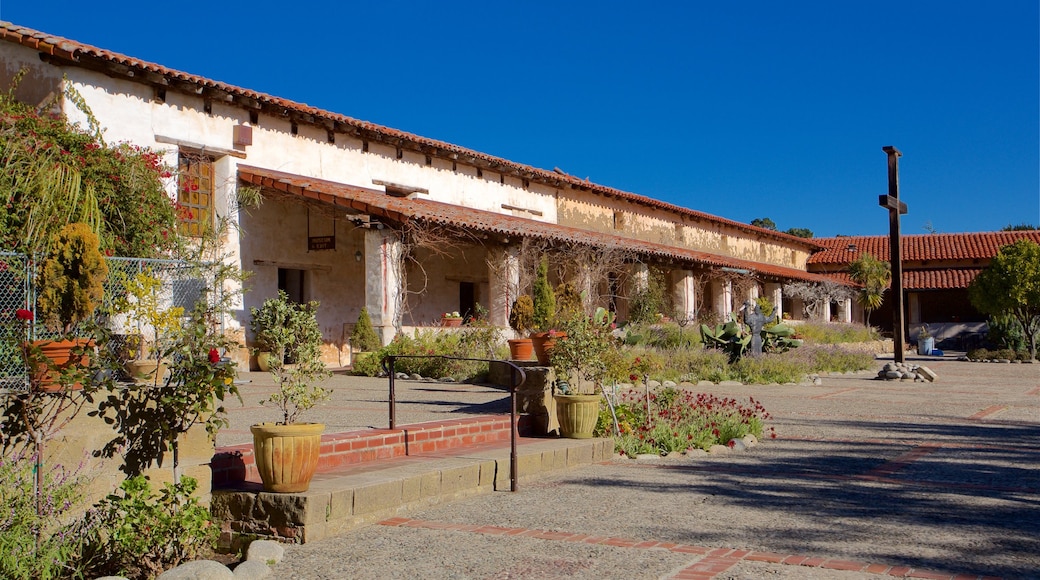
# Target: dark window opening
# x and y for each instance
(467, 299)
(292, 282)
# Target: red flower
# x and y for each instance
(214, 356)
(633, 377)
(23, 314)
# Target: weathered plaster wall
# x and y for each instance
(40, 81)
(623, 218)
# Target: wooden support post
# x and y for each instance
(895, 209)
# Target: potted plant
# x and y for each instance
(925, 341)
(271, 335)
(544, 316)
(451, 319)
(582, 361)
(150, 327)
(287, 451)
(71, 286)
(521, 319)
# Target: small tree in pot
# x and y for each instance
(583, 361)
(296, 366)
(521, 319)
(71, 286)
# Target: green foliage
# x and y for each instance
(768, 368)
(734, 338)
(1011, 285)
(71, 279)
(144, 306)
(833, 358)
(873, 276)
(149, 420)
(473, 342)
(662, 336)
(1022, 227)
(701, 364)
(544, 299)
(36, 541)
(648, 302)
(568, 302)
(291, 331)
(1005, 331)
(764, 223)
(363, 336)
(800, 232)
(144, 533)
(589, 352)
(679, 420)
(815, 332)
(521, 315)
(54, 174)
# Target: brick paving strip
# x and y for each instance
(714, 561)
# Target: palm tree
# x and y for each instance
(873, 276)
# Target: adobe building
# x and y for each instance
(356, 214)
(937, 269)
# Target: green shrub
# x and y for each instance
(363, 336)
(834, 333)
(769, 368)
(833, 358)
(696, 364)
(144, 534)
(476, 341)
(1005, 354)
(521, 314)
(979, 354)
(1005, 331)
(544, 299)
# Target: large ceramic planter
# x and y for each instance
(577, 415)
(263, 360)
(521, 349)
(147, 372)
(286, 455)
(47, 378)
(543, 343)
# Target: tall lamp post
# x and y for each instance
(895, 209)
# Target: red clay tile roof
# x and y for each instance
(945, 279)
(395, 209)
(75, 53)
(930, 247)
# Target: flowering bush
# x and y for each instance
(679, 420)
(36, 540)
(118, 189)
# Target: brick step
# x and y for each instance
(362, 494)
(235, 464)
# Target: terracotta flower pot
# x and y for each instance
(543, 343)
(59, 353)
(147, 371)
(451, 322)
(577, 415)
(286, 455)
(521, 349)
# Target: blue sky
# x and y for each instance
(740, 109)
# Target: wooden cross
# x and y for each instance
(895, 209)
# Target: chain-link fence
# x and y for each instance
(182, 285)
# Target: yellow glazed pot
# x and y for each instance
(577, 415)
(287, 455)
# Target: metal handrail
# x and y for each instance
(388, 366)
